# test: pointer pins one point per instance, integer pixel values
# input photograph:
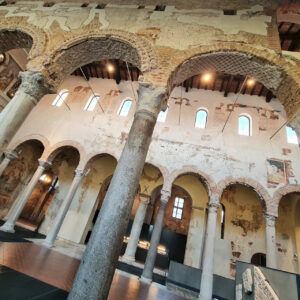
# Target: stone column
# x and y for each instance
(7, 158)
(31, 90)
(9, 225)
(136, 228)
(155, 238)
(63, 209)
(206, 287)
(99, 261)
(271, 241)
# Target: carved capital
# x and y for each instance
(150, 99)
(164, 198)
(80, 173)
(34, 84)
(270, 220)
(213, 207)
(10, 155)
(44, 164)
(145, 199)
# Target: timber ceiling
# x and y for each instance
(289, 36)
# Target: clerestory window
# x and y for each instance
(92, 102)
(124, 108)
(201, 119)
(60, 98)
(244, 125)
(178, 208)
(291, 135)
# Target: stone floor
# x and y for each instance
(58, 271)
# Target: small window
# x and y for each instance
(244, 125)
(92, 102)
(178, 208)
(162, 116)
(291, 135)
(222, 221)
(125, 107)
(201, 118)
(60, 98)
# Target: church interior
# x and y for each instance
(150, 149)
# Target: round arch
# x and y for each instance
(91, 158)
(43, 140)
(26, 36)
(276, 73)
(206, 179)
(51, 152)
(106, 44)
(281, 192)
(263, 195)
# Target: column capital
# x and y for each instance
(164, 198)
(150, 99)
(145, 199)
(10, 155)
(34, 84)
(270, 220)
(213, 207)
(44, 164)
(81, 173)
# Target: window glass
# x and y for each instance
(60, 98)
(201, 118)
(162, 116)
(124, 110)
(291, 135)
(244, 126)
(178, 208)
(92, 102)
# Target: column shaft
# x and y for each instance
(15, 112)
(9, 225)
(51, 236)
(136, 230)
(8, 157)
(271, 241)
(155, 238)
(206, 287)
(99, 261)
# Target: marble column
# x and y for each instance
(136, 228)
(63, 209)
(271, 241)
(100, 258)
(31, 90)
(155, 238)
(8, 156)
(9, 225)
(206, 287)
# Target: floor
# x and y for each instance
(58, 271)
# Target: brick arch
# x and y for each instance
(27, 36)
(43, 140)
(87, 47)
(52, 151)
(189, 170)
(279, 74)
(288, 12)
(262, 193)
(281, 192)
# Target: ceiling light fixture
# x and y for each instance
(110, 68)
(250, 82)
(206, 77)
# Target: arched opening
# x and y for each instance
(17, 175)
(288, 233)
(194, 191)
(259, 259)
(245, 127)
(14, 48)
(244, 232)
(201, 118)
(64, 160)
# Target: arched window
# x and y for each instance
(259, 259)
(291, 135)
(178, 208)
(60, 98)
(222, 221)
(244, 125)
(124, 108)
(162, 115)
(92, 102)
(201, 118)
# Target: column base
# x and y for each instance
(47, 244)
(145, 280)
(7, 228)
(128, 259)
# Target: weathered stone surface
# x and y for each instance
(247, 281)
(239, 292)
